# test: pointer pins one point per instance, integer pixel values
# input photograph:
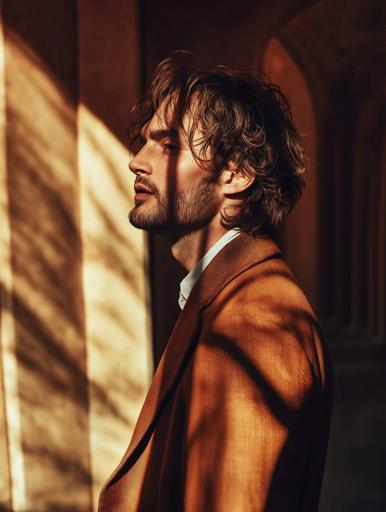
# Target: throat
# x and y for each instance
(189, 249)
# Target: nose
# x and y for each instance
(140, 164)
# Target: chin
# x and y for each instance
(140, 220)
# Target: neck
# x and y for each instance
(189, 249)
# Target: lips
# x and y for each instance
(142, 189)
(142, 192)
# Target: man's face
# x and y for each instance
(174, 195)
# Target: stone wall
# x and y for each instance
(75, 332)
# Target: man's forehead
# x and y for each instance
(166, 120)
(160, 122)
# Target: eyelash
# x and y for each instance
(169, 148)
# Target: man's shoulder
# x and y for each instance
(266, 287)
(261, 320)
(242, 253)
(251, 296)
(264, 313)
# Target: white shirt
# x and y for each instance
(190, 280)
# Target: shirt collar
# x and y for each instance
(190, 280)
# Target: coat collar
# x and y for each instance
(237, 256)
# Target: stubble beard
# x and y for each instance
(188, 211)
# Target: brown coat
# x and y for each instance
(238, 414)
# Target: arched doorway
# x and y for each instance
(300, 230)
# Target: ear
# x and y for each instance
(234, 181)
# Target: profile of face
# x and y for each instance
(174, 195)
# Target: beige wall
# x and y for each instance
(75, 335)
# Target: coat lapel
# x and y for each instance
(236, 257)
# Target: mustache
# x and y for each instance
(141, 181)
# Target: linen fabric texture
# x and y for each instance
(237, 417)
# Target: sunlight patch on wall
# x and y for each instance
(49, 347)
(12, 481)
(116, 296)
(74, 277)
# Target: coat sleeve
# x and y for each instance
(251, 413)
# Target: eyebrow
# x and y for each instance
(162, 133)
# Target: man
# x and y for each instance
(238, 414)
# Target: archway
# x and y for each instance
(299, 232)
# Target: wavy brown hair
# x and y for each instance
(242, 121)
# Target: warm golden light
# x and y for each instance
(117, 321)
(12, 481)
(75, 333)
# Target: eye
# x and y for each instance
(170, 147)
